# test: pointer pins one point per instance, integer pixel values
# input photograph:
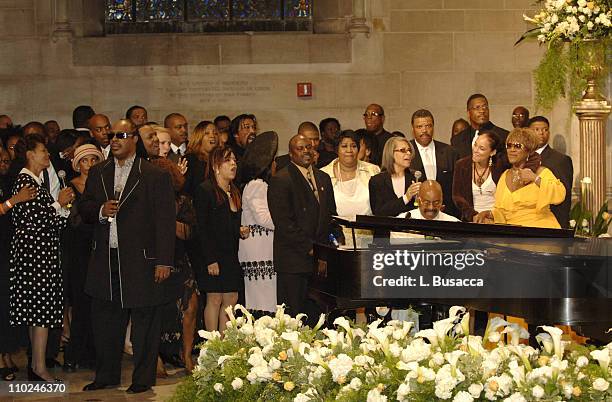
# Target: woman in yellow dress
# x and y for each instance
(524, 195)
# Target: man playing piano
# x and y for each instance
(430, 204)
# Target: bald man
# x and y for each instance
(430, 200)
(301, 202)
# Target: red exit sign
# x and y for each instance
(304, 89)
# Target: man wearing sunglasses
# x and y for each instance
(374, 119)
(131, 258)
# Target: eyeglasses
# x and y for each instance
(120, 136)
(403, 150)
(372, 114)
(515, 145)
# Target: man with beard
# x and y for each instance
(243, 130)
(520, 117)
(301, 202)
(430, 204)
(478, 114)
(131, 258)
(436, 160)
(374, 119)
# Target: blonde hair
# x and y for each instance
(388, 150)
(525, 136)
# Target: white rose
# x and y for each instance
(475, 390)
(589, 27)
(301, 398)
(537, 392)
(355, 384)
(218, 387)
(582, 361)
(237, 383)
(601, 385)
(516, 397)
(375, 396)
(572, 223)
(340, 366)
(463, 396)
(274, 363)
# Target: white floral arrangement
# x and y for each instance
(279, 359)
(569, 20)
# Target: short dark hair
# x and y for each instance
(128, 114)
(36, 124)
(323, 123)
(67, 137)
(421, 113)
(221, 118)
(475, 96)
(235, 125)
(170, 116)
(81, 115)
(536, 119)
(27, 143)
(350, 134)
(368, 140)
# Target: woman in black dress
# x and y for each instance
(79, 237)
(36, 294)
(217, 203)
(9, 336)
(393, 190)
(202, 141)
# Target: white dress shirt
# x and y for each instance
(180, 150)
(428, 156)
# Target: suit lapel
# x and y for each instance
(132, 181)
(440, 158)
(417, 162)
(108, 178)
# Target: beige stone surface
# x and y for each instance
(428, 21)
(418, 52)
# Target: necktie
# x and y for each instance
(313, 186)
(46, 180)
(428, 164)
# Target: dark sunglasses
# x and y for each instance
(120, 136)
(515, 145)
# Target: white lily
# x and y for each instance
(247, 314)
(603, 357)
(555, 334)
(293, 337)
(320, 322)
(546, 341)
(454, 311)
(516, 333)
(492, 326)
(209, 335)
(229, 310)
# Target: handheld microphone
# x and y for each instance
(62, 176)
(417, 176)
(116, 196)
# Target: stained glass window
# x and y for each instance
(222, 15)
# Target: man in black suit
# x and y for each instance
(99, 127)
(560, 164)
(301, 202)
(434, 159)
(478, 114)
(132, 256)
(179, 132)
(374, 119)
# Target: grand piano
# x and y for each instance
(546, 276)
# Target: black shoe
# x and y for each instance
(52, 363)
(173, 360)
(32, 376)
(94, 386)
(137, 389)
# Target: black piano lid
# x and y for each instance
(431, 227)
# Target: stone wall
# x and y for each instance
(419, 54)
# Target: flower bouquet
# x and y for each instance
(586, 25)
(582, 220)
(279, 359)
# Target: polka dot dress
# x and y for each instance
(36, 297)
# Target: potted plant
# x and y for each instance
(577, 34)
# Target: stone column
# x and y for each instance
(593, 115)
(358, 23)
(61, 21)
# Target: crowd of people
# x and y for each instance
(130, 235)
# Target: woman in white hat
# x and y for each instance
(79, 352)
